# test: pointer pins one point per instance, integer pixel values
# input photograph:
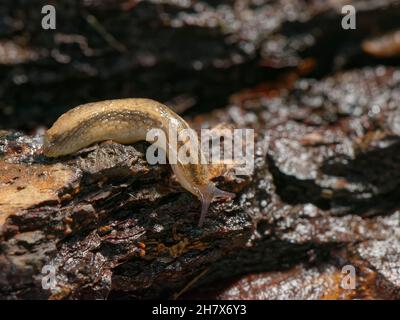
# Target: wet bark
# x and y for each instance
(324, 193)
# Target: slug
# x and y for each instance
(127, 121)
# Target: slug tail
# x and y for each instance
(208, 194)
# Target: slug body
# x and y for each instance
(127, 121)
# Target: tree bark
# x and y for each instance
(324, 194)
(103, 223)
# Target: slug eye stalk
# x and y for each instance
(208, 194)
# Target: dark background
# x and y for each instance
(191, 55)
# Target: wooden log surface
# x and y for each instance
(103, 223)
(324, 194)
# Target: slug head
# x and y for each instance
(208, 193)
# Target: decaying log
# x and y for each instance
(324, 194)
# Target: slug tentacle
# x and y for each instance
(127, 121)
(208, 194)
